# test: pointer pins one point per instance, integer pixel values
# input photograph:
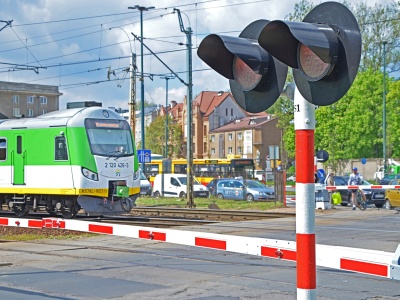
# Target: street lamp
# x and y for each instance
(132, 89)
(141, 9)
(384, 107)
(166, 113)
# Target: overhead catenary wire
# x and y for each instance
(197, 7)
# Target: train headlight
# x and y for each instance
(136, 175)
(90, 175)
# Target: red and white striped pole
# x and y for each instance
(304, 125)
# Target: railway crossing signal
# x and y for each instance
(324, 51)
(255, 77)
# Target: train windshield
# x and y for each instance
(109, 137)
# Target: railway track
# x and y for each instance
(209, 214)
(172, 217)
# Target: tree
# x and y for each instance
(147, 103)
(378, 24)
(155, 137)
(352, 127)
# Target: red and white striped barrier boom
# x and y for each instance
(372, 262)
(362, 187)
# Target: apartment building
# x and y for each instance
(24, 100)
(221, 128)
(249, 137)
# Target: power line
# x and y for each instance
(72, 19)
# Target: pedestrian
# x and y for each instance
(329, 181)
(316, 178)
(356, 179)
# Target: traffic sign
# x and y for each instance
(144, 156)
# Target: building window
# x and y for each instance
(193, 129)
(212, 150)
(30, 112)
(43, 100)
(16, 112)
(44, 112)
(213, 138)
(205, 148)
(239, 150)
(226, 111)
(3, 149)
(30, 99)
(230, 136)
(230, 151)
(231, 111)
(16, 98)
(205, 130)
(240, 136)
(60, 148)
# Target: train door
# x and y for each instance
(19, 160)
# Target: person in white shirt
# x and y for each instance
(356, 179)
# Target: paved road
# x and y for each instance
(109, 267)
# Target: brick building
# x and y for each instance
(221, 128)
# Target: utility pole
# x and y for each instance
(132, 88)
(141, 9)
(384, 108)
(189, 100)
(132, 95)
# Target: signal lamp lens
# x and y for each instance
(312, 67)
(244, 75)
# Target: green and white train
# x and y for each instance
(66, 160)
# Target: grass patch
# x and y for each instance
(205, 202)
(28, 234)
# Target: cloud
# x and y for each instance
(73, 41)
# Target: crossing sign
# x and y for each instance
(144, 156)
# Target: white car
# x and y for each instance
(291, 178)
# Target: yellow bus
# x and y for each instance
(203, 169)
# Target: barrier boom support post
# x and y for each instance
(304, 122)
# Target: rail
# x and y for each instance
(210, 214)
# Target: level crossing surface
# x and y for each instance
(107, 267)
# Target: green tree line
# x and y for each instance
(352, 127)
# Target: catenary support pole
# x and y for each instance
(304, 120)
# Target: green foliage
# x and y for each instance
(393, 119)
(352, 127)
(291, 171)
(155, 137)
(147, 103)
(379, 24)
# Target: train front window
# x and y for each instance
(109, 137)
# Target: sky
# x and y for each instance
(85, 47)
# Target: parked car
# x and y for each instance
(392, 196)
(243, 190)
(174, 185)
(212, 185)
(373, 196)
(291, 178)
(145, 186)
(388, 177)
(258, 174)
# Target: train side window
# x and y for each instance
(60, 148)
(3, 149)
(19, 144)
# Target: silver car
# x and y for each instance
(243, 190)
